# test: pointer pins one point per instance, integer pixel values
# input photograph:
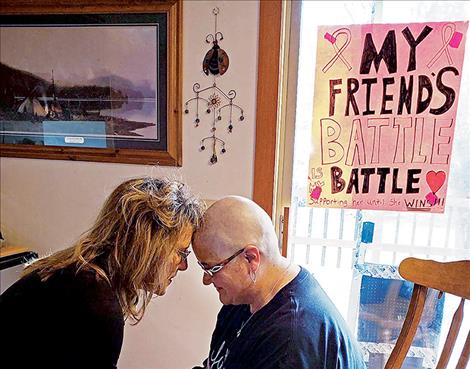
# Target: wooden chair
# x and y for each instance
(450, 277)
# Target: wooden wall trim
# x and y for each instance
(270, 20)
(169, 154)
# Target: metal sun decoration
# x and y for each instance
(216, 62)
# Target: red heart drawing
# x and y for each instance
(315, 194)
(435, 180)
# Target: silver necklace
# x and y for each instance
(270, 292)
(243, 325)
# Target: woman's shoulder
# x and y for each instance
(26, 286)
(69, 289)
(75, 277)
(87, 289)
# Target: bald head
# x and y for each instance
(235, 222)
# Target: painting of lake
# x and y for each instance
(100, 76)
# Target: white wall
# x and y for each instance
(47, 204)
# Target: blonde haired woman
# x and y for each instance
(68, 310)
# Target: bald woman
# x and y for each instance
(275, 314)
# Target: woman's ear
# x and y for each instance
(252, 255)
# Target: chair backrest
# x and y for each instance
(450, 277)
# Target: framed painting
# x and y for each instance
(91, 80)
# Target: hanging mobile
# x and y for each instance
(215, 63)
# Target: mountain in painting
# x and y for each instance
(127, 87)
(16, 82)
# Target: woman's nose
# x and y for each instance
(206, 279)
(183, 265)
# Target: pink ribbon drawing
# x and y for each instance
(449, 37)
(333, 38)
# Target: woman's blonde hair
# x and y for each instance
(133, 241)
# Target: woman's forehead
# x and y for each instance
(211, 250)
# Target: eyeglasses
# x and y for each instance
(216, 268)
(184, 254)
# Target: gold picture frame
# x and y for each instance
(91, 80)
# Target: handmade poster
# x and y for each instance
(384, 112)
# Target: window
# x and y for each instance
(325, 240)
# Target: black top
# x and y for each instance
(299, 328)
(70, 321)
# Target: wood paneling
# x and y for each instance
(267, 102)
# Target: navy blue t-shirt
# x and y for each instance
(299, 328)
